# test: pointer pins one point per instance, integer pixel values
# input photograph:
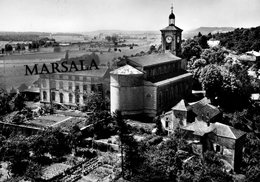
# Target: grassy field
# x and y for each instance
(12, 69)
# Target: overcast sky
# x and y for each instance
(89, 15)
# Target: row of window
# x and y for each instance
(70, 77)
(61, 97)
(93, 87)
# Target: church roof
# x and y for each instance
(154, 59)
(173, 79)
(171, 27)
(126, 70)
(181, 106)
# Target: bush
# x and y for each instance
(155, 140)
(86, 153)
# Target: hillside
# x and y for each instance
(206, 31)
(241, 39)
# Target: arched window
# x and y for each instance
(77, 98)
(70, 98)
(44, 93)
(53, 96)
(61, 97)
(61, 84)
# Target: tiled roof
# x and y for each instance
(204, 110)
(181, 106)
(221, 130)
(199, 127)
(154, 59)
(227, 131)
(126, 70)
(91, 73)
(171, 27)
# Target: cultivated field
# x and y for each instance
(12, 69)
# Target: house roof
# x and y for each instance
(199, 127)
(203, 109)
(227, 131)
(254, 53)
(205, 100)
(154, 59)
(90, 73)
(181, 106)
(171, 27)
(126, 70)
(221, 130)
(245, 57)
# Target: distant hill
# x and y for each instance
(123, 32)
(206, 31)
(66, 34)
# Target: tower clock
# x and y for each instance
(171, 36)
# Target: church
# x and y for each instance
(151, 84)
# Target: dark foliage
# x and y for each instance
(241, 39)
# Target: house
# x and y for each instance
(200, 121)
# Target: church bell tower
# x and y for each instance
(171, 36)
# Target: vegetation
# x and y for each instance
(10, 102)
(228, 86)
(28, 155)
(241, 39)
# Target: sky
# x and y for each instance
(90, 15)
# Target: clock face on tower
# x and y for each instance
(168, 39)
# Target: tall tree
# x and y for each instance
(211, 80)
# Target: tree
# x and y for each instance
(203, 41)
(207, 168)
(4, 102)
(95, 102)
(211, 80)
(129, 147)
(114, 38)
(75, 136)
(191, 48)
(236, 88)
(108, 38)
(152, 49)
(251, 155)
(8, 48)
(103, 123)
(16, 151)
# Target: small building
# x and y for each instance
(71, 88)
(200, 121)
(250, 57)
